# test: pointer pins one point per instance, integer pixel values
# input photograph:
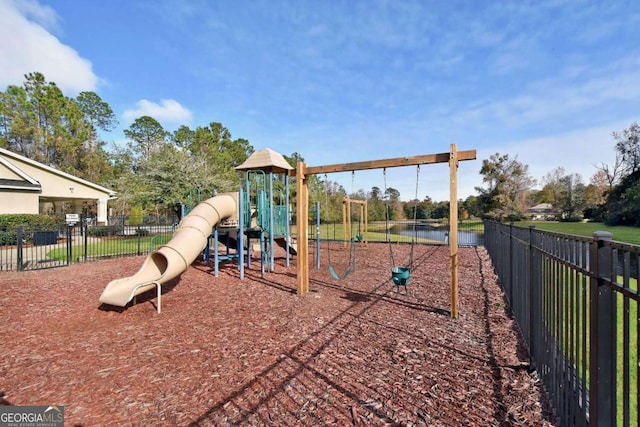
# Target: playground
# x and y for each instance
(230, 352)
(281, 332)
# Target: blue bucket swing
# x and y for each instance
(401, 275)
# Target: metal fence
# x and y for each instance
(576, 302)
(35, 248)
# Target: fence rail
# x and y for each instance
(576, 302)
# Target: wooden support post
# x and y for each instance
(302, 224)
(366, 224)
(346, 221)
(453, 228)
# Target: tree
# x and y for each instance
(608, 175)
(599, 186)
(623, 201)
(472, 206)
(158, 173)
(440, 210)
(331, 206)
(214, 144)
(39, 122)
(572, 198)
(96, 111)
(628, 146)
(553, 185)
(394, 205)
(146, 135)
(376, 204)
(17, 122)
(508, 184)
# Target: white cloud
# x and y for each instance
(27, 46)
(41, 14)
(561, 97)
(168, 110)
(578, 151)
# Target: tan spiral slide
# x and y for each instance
(188, 241)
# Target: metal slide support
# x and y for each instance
(216, 255)
(159, 289)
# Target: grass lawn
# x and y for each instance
(627, 313)
(621, 233)
(109, 246)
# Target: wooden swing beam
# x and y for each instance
(302, 205)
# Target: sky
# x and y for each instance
(340, 81)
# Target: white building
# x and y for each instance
(28, 187)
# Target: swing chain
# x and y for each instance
(387, 218)
(352, 254)
(415, 217)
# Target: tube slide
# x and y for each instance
(188, 241)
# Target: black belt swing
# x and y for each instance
(400, 275)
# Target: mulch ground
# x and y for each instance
(230, 352)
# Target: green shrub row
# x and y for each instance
(9, 224)
(105, 230)
(15, 220)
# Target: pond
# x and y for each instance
(439, 233)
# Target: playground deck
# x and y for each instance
(225, 352)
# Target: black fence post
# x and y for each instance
(533, 306)
(602, 334)
(19, 258)
(86, 243)
(510, 269)
(139, 234)
(69, 243)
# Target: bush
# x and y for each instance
(15, 220)
(136, 215)
(142, 232)
(573, 218)
(30, 223)
(8, 238)
(105, 230)
(597, 214)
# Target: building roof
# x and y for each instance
(20, 180)
(26, 181)
(542, 207)
(18, 184)
(264, 160)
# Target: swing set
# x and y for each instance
(303, 171)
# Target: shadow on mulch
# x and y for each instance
(3, 400)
